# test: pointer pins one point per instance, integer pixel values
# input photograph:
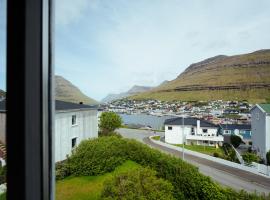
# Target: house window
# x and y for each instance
(205, 130)
(74, 120)
(192, 131)
(257, 116)
(73, 142)
(169, 127)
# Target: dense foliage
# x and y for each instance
(109, 121)
(137, 184)
(268, 157)
(102, 155)
(250, 157)
(235, 140)
(3, 171)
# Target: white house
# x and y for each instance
(73, 123)
(191, 131)
(260, 126)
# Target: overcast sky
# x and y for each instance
(107, 46)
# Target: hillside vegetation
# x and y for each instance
(66, 91)
(240, 77)
(2, 93)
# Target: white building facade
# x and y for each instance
(260, 126)
(73, 123)
(192, 131)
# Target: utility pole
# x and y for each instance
(183, 136)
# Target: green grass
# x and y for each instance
(156, 138)
(3, 196)
(209, 150)
(87, 187)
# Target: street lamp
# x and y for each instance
(183, 146)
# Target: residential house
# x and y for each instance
(260, 126)
(191, 131)
(73, 123)
(242, 130)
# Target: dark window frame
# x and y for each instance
(30, 105)
(170, 128)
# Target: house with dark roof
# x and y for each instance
(260, 126)
(242, 130)
(73, 123)
(191, 131)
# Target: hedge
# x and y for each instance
(102, 155)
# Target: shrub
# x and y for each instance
(109, 121)
(61, 170)
(235, 140)
(102, 155)
(250, 157)
(137, 184)
(216, 154)
(268, 157)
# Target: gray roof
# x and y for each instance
(59, 105)
(63, 105)
(189, 121)
(235, 126)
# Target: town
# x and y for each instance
(217, 112)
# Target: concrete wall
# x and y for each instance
(86, 127)
(3, 127)
(258, 127)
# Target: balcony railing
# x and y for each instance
(209, 138)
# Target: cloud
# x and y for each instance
(69, 11)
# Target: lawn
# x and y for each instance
(204, 149)
(156, 137)
(87, 187)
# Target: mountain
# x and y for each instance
(66, 91)
(136, 89)
(239, 77)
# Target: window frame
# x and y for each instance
(30, 156)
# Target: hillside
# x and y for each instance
(66, 91)
(240, 77)
(134, 90)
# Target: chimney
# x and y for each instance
(198, 126)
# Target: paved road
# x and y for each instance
(222, 174)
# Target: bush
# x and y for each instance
(268, 157)
(235, 140)
(102, 155)
(109, 121)
(137, 184)
(216, 154)
(250, 157)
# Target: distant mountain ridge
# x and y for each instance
(66, 91)
(239, 77)
(136, 89)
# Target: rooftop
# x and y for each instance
(189, 121)
(236, 126)
(265, 107)
(59, 105)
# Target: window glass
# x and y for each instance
(137, 70)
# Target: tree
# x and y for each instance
(109, 121)
(235, 140)
(141, 184)
(268, 157)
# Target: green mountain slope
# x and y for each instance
(66, 91)
(240, 77)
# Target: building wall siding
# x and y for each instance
(86, 127)
(258, 127)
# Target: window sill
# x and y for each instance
(74, 125)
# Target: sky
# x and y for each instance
(105, 46)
